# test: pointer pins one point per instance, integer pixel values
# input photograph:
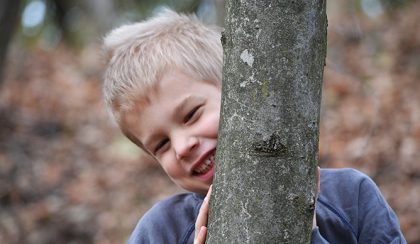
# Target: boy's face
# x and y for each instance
(179, 127)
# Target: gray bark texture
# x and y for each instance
(265, 184)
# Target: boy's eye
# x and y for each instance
(191, 114)
(161, 145)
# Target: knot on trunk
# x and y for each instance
(271, 147)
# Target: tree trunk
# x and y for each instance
(265, 186)
(9, 13)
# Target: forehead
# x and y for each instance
(169, 85)
(175, 84)
(172, 88)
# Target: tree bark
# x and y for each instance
(264, 188)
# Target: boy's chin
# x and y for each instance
(200, 189)
(202, 192)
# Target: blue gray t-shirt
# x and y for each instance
(350, 209)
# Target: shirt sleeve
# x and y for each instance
(351, 209)
(316, 237)
(376, 220)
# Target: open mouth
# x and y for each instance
(206, 166)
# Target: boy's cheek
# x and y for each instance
(217, 124)
(214, 119)
(170, 166)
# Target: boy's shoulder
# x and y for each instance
(183, 200)
(178, 205)
(344, 180)
(169, 220)
(331, 174)
(345, 188)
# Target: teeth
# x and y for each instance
(206, 166)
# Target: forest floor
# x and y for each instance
(67, 175)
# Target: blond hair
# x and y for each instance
(140, 53)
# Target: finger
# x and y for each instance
(209, 192)
(203, 213)
(201, 237)
(204, 209)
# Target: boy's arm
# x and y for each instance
(351, 208)
(377, 221)
(316, 237)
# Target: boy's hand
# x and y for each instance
(201, 222)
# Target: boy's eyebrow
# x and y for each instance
(182, 105)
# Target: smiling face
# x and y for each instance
(179, 126)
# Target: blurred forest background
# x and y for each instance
(67, 175)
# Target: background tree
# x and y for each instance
(264, 188)
(8, 16)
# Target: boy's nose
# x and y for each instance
(184, 145)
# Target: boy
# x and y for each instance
(163, 87)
